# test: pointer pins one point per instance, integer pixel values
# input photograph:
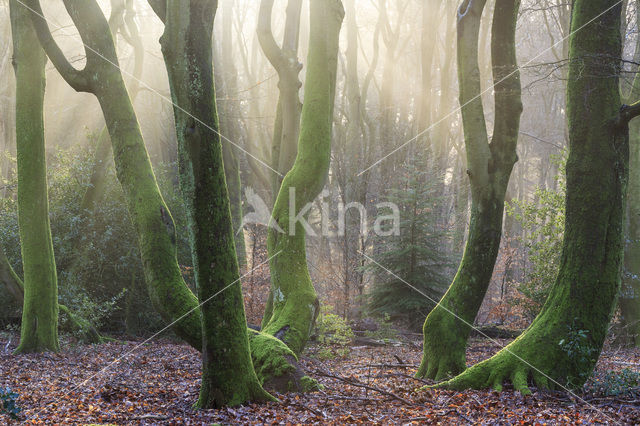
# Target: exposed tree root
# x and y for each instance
(277, 366)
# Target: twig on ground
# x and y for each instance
(356, 383)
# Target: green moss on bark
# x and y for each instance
(293, 304)
(39, 330)
(446, 329)
(583, 297)
(228, 377)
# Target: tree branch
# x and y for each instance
(628, 113)
(74, 77)
(473, 120)
(265, 37)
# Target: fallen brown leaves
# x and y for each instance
(159, 382)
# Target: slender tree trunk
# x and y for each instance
(39, 330)
(285, 61)
(489, 169)
(228, 377)
(577, 312)
(229, 125)
(293, 305)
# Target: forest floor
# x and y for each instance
(157, 383)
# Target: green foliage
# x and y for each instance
(326, 353)
(97, 255)
(417, 256)
(8, 403)
(332, 329)
(579, 352)
(543, 223)
(87, 308)
(614, 383)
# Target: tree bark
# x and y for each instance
(285, 61)
(228, 377)
(489, 170)
(581, 303)
(39, 331)
(293, 305)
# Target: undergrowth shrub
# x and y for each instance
(333, 334)
(8, 403)
(615, 383)
(100, 274)
(543, 223)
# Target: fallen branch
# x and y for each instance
(314, 411)
(354, 382)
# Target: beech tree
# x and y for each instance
(228, 376)
(582, 299)
(489, 166)
(39, 331)
(293, 305)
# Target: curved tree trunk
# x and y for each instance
(563, 343)
(121, 22)
(293, 305)
(489, 169)
(285, 61)
(39, 330)
(228, 377)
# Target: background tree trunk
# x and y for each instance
(489, 169)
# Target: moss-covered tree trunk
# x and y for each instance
(39, 331)
(293, 306)
(228, 377)
(563, 343)
(489, 170)
(121, 22)
(79, 326)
